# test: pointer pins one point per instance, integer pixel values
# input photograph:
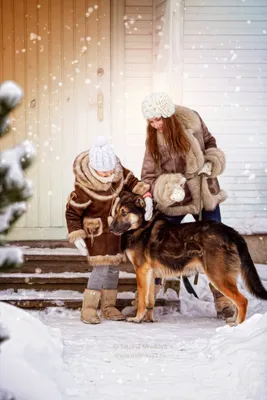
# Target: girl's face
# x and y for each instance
(156, 123)
(105, 174)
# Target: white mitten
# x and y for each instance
(178, 194)
(81, 246)
(206, 169)
(149, 208)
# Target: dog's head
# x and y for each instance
(129, 214)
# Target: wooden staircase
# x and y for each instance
(55, 274)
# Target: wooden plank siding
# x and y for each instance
(225, 80)
(138, 67)
(53, 50)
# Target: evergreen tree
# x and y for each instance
(14, 188)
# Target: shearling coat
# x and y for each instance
(174, 168)
(91, 207)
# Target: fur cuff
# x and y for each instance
(80, 233)
(164, 186)
(217, 158)
(210, 201)
(106, 260)
(141, 188)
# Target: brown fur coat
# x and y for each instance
(91, 206)
(174, 168)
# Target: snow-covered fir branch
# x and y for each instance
(10, 96)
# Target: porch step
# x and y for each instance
(30, 299)
(59, 281)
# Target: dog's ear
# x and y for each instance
(124, 194)
(140, 202)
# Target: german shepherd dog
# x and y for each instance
(161, 248)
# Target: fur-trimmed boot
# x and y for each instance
(108, 302)
(89, 308)
(225, 307)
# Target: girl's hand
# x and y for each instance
(81, 246)
(149, 208)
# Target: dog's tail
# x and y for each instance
(248, 269)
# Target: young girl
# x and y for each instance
(99, 180)
(181, 164)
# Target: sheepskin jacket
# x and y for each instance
(174, 168)
(91, 207)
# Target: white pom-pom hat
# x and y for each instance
(158, 105)
(101, 155)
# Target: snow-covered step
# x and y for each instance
(32, 299)
(53, 281)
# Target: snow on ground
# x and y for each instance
(31, 362)
(188, 355)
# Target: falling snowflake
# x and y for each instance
(75, 62)
(60, 84)
(38, 6)
(96, 7)
(237, 89)
(54, 78)
(139, 16)
(77, 70)
(248, 21)
(33, 36)
(252, 176)
(87, 81)
(84, 49)
(88, 39)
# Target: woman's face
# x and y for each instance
(105, 174)
(156, 123)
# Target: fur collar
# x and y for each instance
(188, 118)
(194, 158)
(88, 179)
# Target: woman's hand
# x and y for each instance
(206, 169)
(178, 194)
(81, 246)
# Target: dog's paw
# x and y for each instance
(134, 319)
(232, 323)
(150, 320)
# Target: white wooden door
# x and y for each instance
(59, 52)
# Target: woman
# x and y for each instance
(99, 180)
(181, 164)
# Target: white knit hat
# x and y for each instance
(158, 105)
(101, 155)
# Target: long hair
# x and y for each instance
(174, 137)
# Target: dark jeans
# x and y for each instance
(214, 215)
